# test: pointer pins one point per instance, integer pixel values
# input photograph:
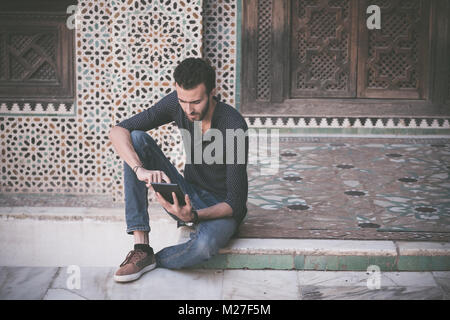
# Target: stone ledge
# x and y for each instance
(75, 213)
(423, 248)
(314, 247)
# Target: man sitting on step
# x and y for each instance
(215, 191)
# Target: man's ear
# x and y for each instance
(213, 92)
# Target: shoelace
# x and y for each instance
(132, 257)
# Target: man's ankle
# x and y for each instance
(140, 237)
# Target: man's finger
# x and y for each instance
(175, 200)
(161, 200)
(166, 178)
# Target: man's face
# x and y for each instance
(194, 102)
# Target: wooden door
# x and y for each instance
(334, 54)
(323, 49)
(295, 49)
(392, 61)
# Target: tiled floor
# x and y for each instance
(353, 188)
(97, 284)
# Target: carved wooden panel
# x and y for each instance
(448, 82)
(36, 57)
(2, 57)
(392, 60)
(448, 51)
(323, 49)
(31, 56)
(264, 57)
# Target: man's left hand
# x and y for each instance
(182, 212)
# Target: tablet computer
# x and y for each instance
(166, 189)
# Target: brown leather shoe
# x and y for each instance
(135, 265)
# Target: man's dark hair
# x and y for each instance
(193, 71)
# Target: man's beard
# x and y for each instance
(204, 112)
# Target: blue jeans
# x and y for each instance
(209, 235)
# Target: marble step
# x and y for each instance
(86, 236)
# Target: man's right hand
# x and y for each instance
(149, 176)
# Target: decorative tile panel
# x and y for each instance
(126, 51)
(149, 39)
(220, 45)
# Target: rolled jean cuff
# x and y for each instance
(138, 228)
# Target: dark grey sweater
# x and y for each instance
(227, 180)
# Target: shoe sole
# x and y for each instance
(134, 276)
